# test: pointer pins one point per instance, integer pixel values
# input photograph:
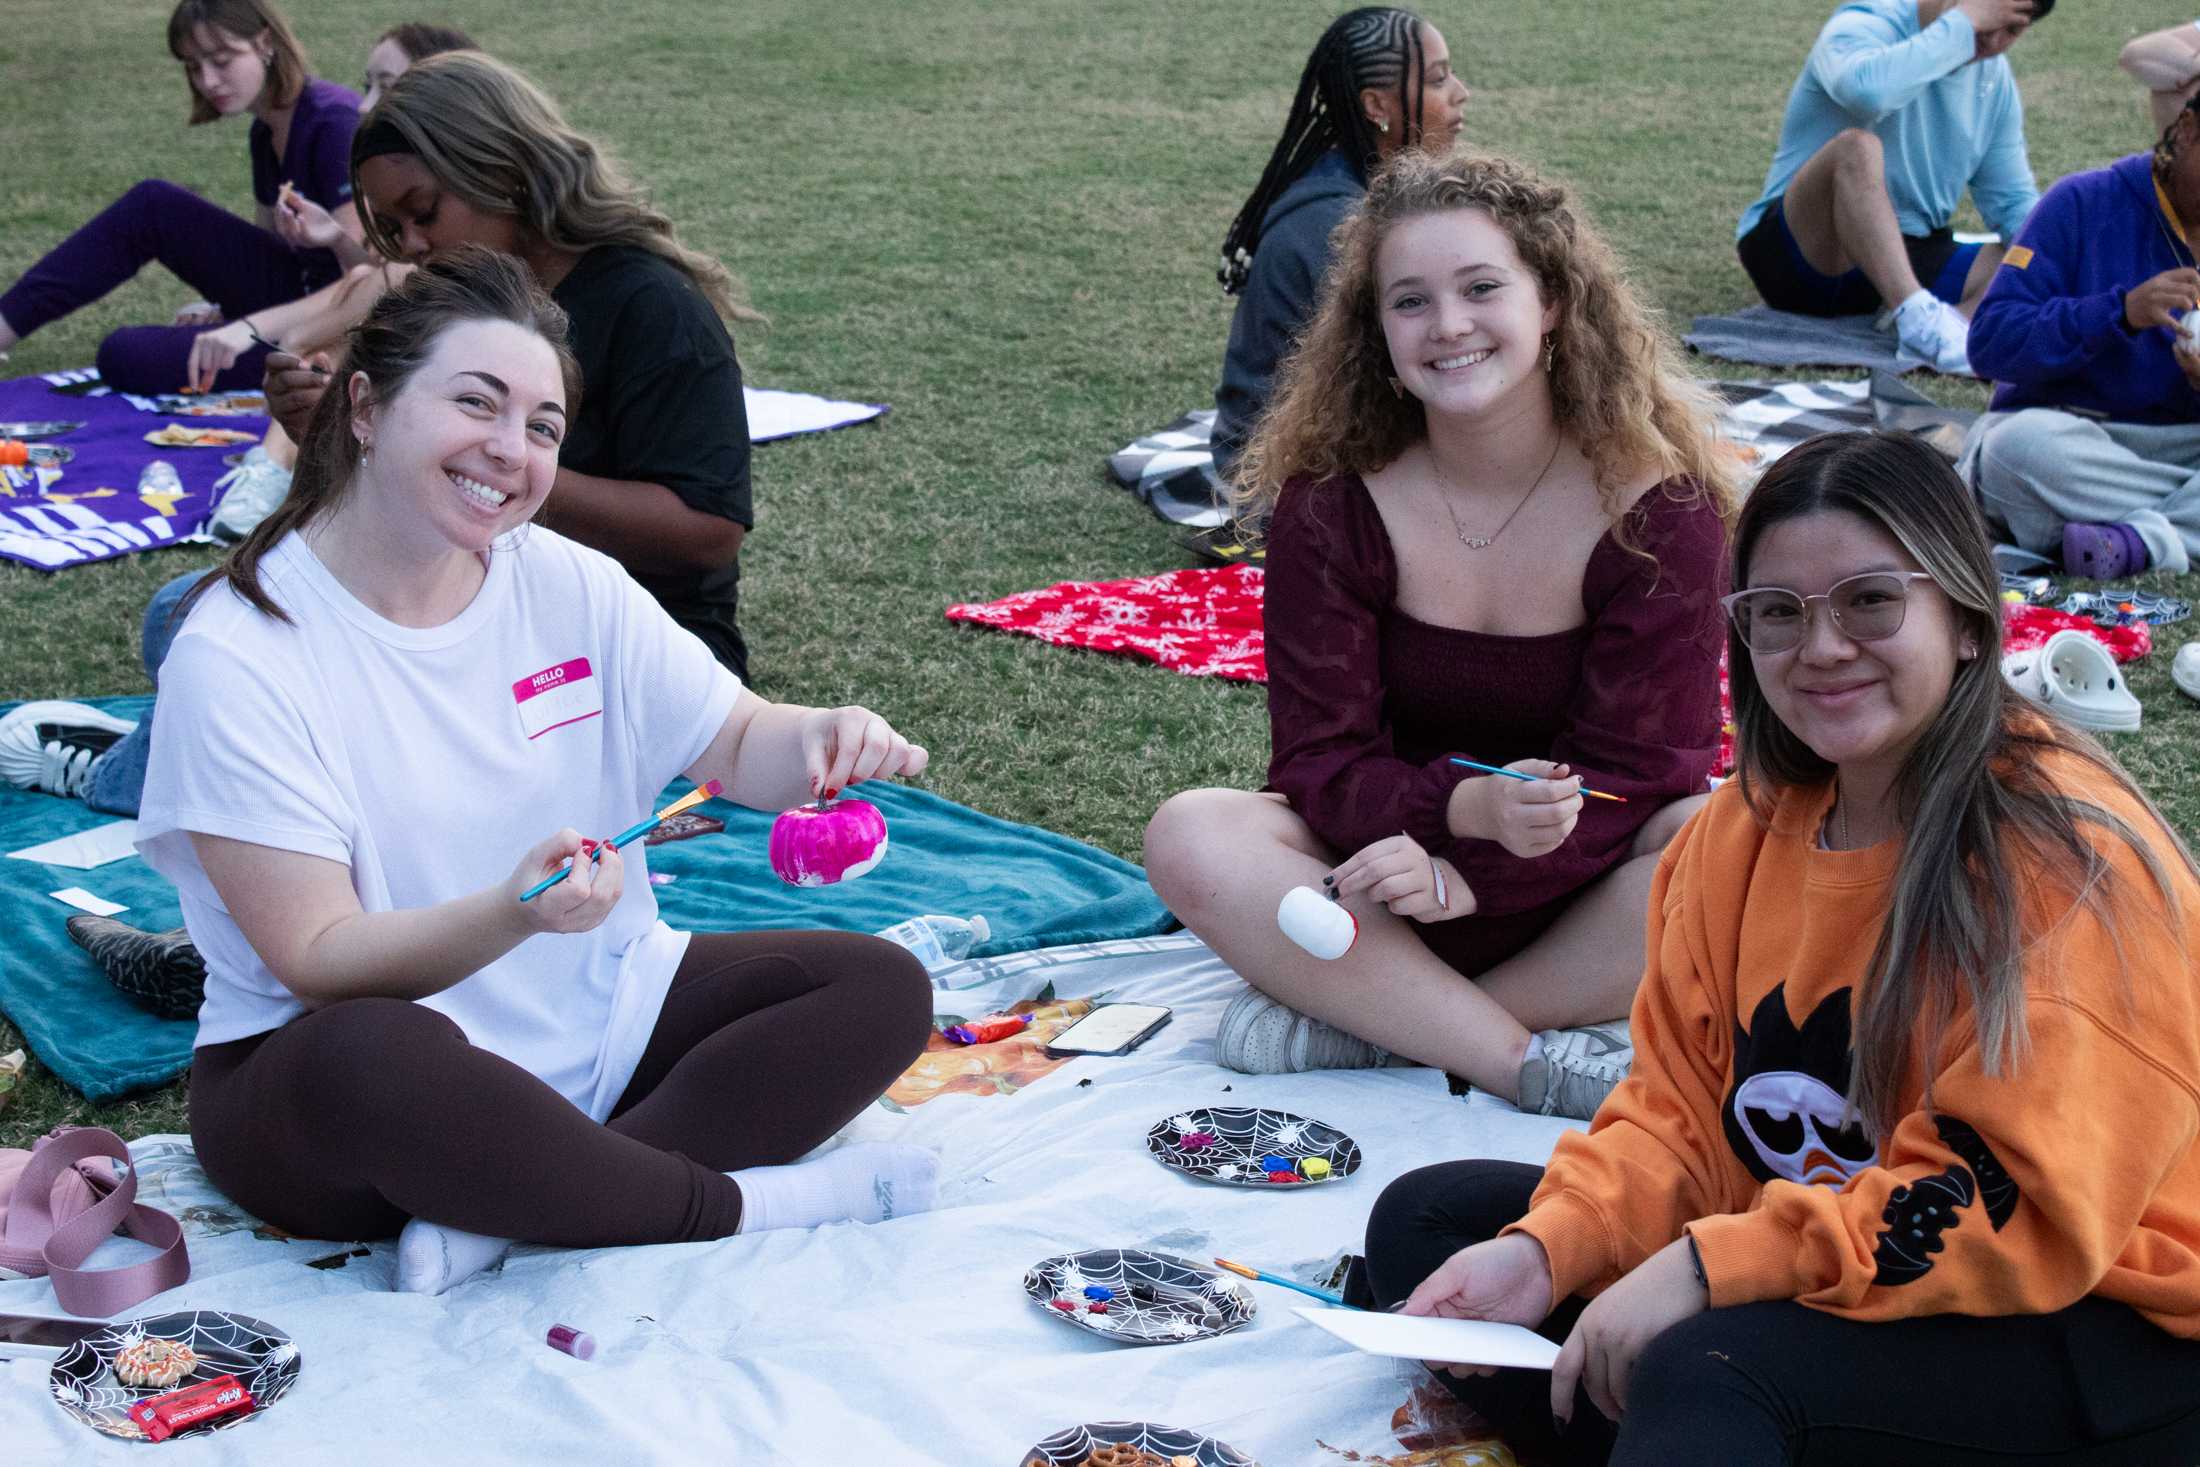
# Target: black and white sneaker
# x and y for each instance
(54, 746)
(160, 971)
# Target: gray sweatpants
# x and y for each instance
(2037, 470)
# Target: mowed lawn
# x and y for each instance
(1003, 221)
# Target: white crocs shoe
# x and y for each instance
(2074, 676)
(2184, 670)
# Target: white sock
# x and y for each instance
(432, 1257)
(867, 1182)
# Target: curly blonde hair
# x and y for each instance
(1617, 385)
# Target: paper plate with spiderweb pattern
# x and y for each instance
(1149, 1298)
(261, 1356)
(1245, 1139)
(1132, 1444)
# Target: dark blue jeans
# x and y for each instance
(118, 784)
(231, 261)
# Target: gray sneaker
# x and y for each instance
(251, 491)
(1259, 1036)
(1568, 1072)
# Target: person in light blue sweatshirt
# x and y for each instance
(2091, 449)
(1902, 106)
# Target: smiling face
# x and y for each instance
(1861, 706)
(467, 448)
(229, 71)
(1461, 313)
(425, 217)
(385, 64)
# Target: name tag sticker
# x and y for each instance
(2018, 257)
(557, 696)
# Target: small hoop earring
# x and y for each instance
(1397, 388)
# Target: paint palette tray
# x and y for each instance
(1134, 1297)
(1241, 1146)
(260, 1356)
(1121, 1443)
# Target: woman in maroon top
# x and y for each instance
(1496, 529)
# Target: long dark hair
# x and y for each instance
(1374, 46)
(495, 139)
(1986, 826)
(420, 39)
(287, 69)
(470, 283)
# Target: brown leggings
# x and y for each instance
(350, 1120)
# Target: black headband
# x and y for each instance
(378, 138)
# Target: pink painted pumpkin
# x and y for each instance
(829, 841)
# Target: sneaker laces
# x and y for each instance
(66, 769)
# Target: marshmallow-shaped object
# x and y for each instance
(2188, 331)
(1322, 926)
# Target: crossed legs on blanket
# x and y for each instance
(868, 1182)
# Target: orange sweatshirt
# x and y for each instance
(2072, 1173)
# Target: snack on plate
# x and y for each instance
(155, 1362)
(176, 435)
(1123, 1454)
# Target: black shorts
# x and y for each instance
(1787, 281)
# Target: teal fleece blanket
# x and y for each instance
(1035, 888)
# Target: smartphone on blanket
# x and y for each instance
(1112, 1028)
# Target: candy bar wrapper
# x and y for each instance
(163, 1416)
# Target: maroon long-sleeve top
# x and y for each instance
(1365, 703)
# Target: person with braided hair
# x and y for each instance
(1379, 79)
(2089, 451)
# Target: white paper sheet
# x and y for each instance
(1459, 1341)
(86, 849)
(84, 901)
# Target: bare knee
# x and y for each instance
(1857, 154)
(1180, 844)
(1658, 831)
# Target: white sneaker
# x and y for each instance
(54, 747)
(251, 492)
(1934, 332)
(2185, 670)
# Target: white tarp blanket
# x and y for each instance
(906, 1343)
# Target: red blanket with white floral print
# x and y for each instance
(1206, 623)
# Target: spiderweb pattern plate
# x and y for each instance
(1244, 1136)
(1075, 1446)
(261, 1356)
(1159, 1298)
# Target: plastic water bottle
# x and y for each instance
(939, 941)
(160, 477)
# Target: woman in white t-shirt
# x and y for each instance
(377, 705)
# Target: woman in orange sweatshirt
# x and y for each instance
(1905, 1171)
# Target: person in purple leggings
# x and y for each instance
(238, 56)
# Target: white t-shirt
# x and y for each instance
(429, 761)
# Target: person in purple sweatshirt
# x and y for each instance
(2091, 450)
(239, 56)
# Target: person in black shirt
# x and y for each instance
(655, 467)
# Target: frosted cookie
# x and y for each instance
(155, 1362)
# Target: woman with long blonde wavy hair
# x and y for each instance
(1496, 519)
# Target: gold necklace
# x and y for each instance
(1483, 542)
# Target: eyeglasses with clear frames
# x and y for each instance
(1866, 608)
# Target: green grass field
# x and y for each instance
(1003, 221)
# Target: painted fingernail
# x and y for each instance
(832, 794)
(1330, 880)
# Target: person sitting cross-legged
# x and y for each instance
(1901, 106)
(2091, 450)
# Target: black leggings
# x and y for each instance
(1783, 1383)
(350, 1120)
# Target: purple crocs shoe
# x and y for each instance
(2103, 552)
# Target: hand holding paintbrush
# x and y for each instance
(628, 836)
